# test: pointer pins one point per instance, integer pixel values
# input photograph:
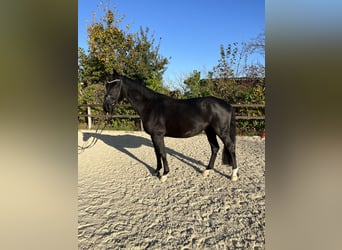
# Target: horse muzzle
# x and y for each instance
(108, 106)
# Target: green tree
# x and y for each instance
(110, 47)
(135, 55)
(193, 84)
(226, 67)
(90, 69)
(234, 59)
(255, 47)
(237, 79)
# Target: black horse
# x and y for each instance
(163, 116)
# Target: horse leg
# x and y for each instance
(231, 157)
(214, 149)
(159, 147)
(159, 163)
(226, 158)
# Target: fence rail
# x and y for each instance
(90, 116)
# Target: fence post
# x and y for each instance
(89, 116)
(141, 125)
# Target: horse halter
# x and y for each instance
(119, 92)
(116, 80)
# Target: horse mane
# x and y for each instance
(141, 87)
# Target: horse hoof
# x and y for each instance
(163, 178)
(206, 172)
(234, 178)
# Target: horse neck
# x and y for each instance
(139, 96)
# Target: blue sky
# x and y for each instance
(191, 30)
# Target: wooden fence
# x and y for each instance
(89, 115)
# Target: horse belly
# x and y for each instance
(184, 128)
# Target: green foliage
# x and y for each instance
(227, 61)
(92, 94)
(235, 80)
(110, 47)
(235, 60)
(235, 91)
(90, 69)
(154, 82)
(193, 85)
(240, 81)
(125, 123)
(136, 55)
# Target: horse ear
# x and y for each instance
(115, 74)
(108, 76)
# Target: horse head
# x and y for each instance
(113, 92)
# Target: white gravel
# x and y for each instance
(122, 206)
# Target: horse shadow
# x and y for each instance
(124, 143)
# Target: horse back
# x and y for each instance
(185, 118)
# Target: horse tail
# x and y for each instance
(226, 157)
(232, 129)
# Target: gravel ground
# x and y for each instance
(122, 206)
